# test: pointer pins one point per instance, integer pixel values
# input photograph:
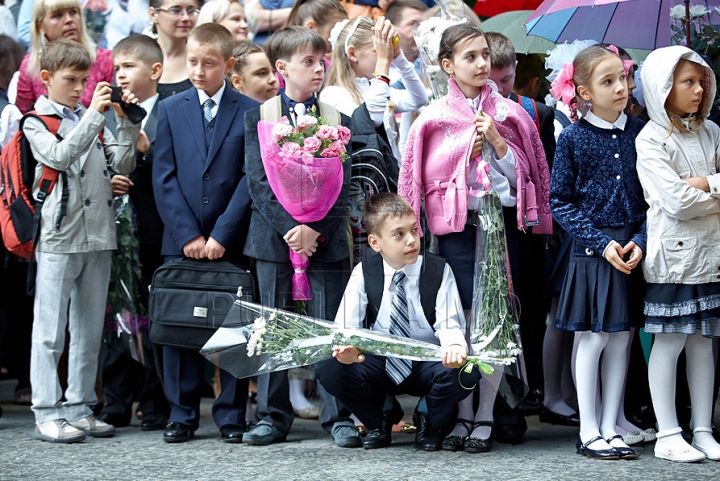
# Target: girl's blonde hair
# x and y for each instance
(214, 11)
(695, 121)
(37, 37)
(341, 72)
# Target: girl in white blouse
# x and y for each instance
(362, 54)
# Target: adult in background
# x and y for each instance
(51, 20)
(228, 13)
(172, 22)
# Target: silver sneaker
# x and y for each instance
(58, 431)
(92, 426)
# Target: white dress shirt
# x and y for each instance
(149, 104)
(604, 124)
(9, 124)
(449, 318)
(502, 173)
(203, 96)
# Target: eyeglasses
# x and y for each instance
(354, 27)
(178, 12)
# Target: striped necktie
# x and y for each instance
(399, 369)
(207, 109)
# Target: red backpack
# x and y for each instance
(19, 211)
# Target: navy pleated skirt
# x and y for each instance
(597, 297)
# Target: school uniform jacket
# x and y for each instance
(201, 189)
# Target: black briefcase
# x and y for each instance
(189, 299)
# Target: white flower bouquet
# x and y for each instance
(257, 339)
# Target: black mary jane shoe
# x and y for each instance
(478, 445)
(454, 442)
(584, 450)
(551, 417)
(625, 453)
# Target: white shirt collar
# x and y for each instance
(604, 124)
(148, 104)
(412, 271)
(474, 103)
(203, 96)
(71, 114)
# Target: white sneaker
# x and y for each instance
(671, 446)
(633, 437)
(92, 426)
(58, 431)
(703, 441)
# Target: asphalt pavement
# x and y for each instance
(310, 454)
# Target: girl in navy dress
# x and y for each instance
(595, 195)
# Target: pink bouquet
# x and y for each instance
(304, 169)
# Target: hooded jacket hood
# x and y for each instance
(657, 81)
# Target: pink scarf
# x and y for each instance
(437, 154)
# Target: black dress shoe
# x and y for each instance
(550, 417)
(509, 434)
(382, 436)
(427, 438)
(584, 450)
(153, 422)
(623, 452)
(479, 445)
(232, 434)
(454, 442)
(117, 420)
(177, 433)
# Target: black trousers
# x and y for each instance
(327, 281)
(363, 388)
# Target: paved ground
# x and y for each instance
(309, 454)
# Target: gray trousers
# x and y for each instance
(70, 292)
(275, 282)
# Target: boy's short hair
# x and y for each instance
(214, 36)
(141, 47)
(529, 67)
(502, 51)
(285, 43)
(396, 8)
(378, 207)
(63, 53)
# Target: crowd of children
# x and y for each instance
(611, 227)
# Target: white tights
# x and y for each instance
(589, 349)
(488, 392)
(662, 372)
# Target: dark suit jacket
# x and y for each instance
(269, 221)
(150, 225)
(201, 190)
(546, 115)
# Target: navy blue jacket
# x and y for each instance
(594, 183)
(199, 189)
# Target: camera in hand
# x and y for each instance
(134, 112)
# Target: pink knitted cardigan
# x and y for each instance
(31, 88)
(437, 155)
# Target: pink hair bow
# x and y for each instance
(563, 86)
(627, 64)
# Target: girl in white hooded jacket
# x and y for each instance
(678, 156)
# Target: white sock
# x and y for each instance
(465, 411)
(700, 375)
(489, 386)
(613, 382)
(589, 348)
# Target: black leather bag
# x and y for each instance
(189, 300)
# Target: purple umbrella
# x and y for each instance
(643, 24)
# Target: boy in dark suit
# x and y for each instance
(297, 54)
(393, 290)
(201, 195)
(138, 66)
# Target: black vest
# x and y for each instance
(431, 275)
